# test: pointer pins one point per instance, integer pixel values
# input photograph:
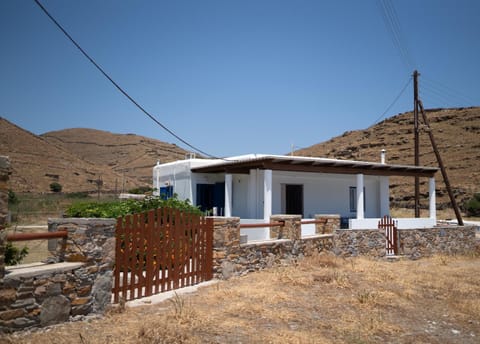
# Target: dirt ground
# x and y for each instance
(321, 299)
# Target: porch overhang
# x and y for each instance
(315, 165)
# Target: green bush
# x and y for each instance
(12, 198)
(56, 187)
(140, 190)
(80, 194)
(14, 255)
(473, 205)
(124, 207)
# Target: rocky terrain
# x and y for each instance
(456, 132)
(77, 158)
(120, 162)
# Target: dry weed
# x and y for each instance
(323, 299)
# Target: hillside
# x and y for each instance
(457, 134)
(126, 154)
(36, 163)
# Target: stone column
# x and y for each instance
(226, 245)
(90, 241)
(332, 222)
(291, 230)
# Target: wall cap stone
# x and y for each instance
(265, 242)
(81, 220)
(37, 269)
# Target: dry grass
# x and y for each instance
(322, 299)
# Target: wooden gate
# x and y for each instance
(389, 227)
(161, 250)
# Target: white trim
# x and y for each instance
(267, 194)
(360, 192)
(228, 195)
(432, 199)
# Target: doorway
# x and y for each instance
(294, 199)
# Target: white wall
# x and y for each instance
(240, 195)
(326, 193)
(323, 193)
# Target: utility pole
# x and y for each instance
(442, 166)
(416, 139)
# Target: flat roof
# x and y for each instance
(243, 164)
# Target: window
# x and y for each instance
(353, 199)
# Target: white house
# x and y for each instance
(255, 186)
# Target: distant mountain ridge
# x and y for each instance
(79, 158)
(126, 154)
(456, 132)
(76, 158)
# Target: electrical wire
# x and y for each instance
(392, 24)
(394, 101)
(141, 108)
(447, 91)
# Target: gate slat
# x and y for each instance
(161, 250)
(150, 253)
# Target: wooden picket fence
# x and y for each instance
(389, 228)
(161, 250)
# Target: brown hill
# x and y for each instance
(126, 154)
(457, 134)
(36, 163)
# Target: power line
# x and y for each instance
(394, 101)
(392, 25)
(449, 92)
(118, 86)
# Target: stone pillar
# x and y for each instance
(360, 204)
(331, 223)
(267, 194)
(226, 245)
(90, 241)
(228, 195)
(384, 196)
(432, 198)
(4, 173)
(291, 230)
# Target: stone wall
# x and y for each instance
(232, 258)
(77, 285)
(413, 243)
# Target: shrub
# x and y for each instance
(473, 205)
(124, 207)
(12, 198)
(56, 187)
(14, 255)
(140, 190)
(80, 194)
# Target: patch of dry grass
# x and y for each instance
(322, 299)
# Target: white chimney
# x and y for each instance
(382, 156)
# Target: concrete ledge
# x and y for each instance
(265, 242)
(36, 269)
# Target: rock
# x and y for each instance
(228, 269)
(55, 310)
(102, 291)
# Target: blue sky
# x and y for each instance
(234, 77)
